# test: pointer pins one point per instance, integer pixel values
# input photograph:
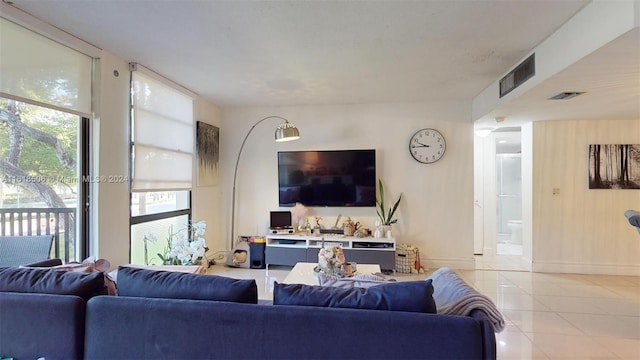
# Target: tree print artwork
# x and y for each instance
(614, 166)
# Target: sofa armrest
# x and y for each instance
(488, 333)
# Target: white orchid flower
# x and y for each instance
(151, 237)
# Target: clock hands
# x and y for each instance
(421, 145)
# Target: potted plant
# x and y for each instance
(386, 215)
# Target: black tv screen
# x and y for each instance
(327, 178)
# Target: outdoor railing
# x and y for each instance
(59, 222)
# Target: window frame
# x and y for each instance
(146, 218)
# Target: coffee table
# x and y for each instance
(302, 273)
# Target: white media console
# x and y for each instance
(291, 249)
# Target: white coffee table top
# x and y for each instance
(302, 273)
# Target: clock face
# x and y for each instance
(427, 146)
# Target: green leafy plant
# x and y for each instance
(386, 217)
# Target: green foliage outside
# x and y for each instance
(39, 159)
(45, 143)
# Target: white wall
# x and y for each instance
(526, 147)
(436, 213)
(581, 230)
(206, 200)
(110, 146)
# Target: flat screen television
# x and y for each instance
(327, 178)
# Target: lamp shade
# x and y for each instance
(287, 132)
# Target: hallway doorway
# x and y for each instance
(498, 243)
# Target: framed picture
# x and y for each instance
(614, 166)
(208, 153)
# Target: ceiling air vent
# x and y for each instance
(516, 77)
(566, 95)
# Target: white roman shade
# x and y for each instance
(162, 135)
(37, 69)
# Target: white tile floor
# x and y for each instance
(549, 316)
(508, 249)
(508, 260)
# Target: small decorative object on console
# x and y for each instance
(349, 227)
(298, 214)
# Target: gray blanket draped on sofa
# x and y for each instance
(455, 297)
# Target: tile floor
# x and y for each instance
(502, 262)
(549, 316)
(508, 249)
(510, 258)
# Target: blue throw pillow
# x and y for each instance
(413, 296)
(49, 281)
(176, 285)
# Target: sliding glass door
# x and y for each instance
(43, 167)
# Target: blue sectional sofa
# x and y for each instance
(134, 326)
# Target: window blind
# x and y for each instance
(36, 69)
(162, 134)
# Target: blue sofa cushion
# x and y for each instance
(42, 326)
(47, 281)
(138, 328)
(414, 296)
(136, 282)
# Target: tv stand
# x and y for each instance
(292, 249)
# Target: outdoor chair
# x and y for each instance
(23, 250)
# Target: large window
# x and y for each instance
(45, 105)
(162, 158)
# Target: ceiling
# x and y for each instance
(295, 53)
(609, 78)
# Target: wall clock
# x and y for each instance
(427, 146)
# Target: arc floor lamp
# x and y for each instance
(285, 132)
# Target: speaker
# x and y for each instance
(257, 255)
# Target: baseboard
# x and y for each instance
(457, 263)
(580, 268)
